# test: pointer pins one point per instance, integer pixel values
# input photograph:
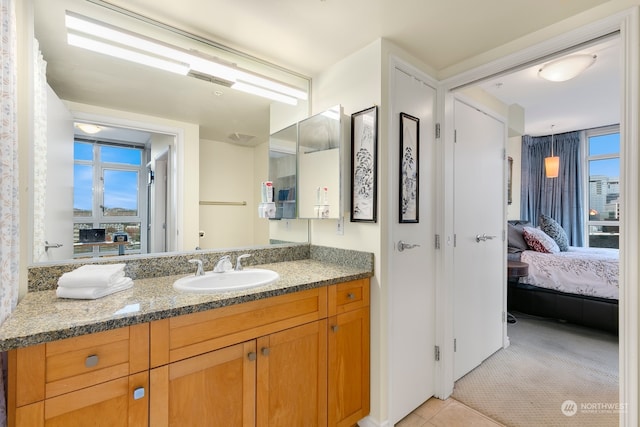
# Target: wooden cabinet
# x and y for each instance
(102, 377)
(295, 359)
(348, 353)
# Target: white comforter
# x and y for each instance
(584, 271)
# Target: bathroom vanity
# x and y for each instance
(292, 353)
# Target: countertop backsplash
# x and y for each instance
(44, 277)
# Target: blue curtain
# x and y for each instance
(560, 198)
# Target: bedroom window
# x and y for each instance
(106, 194)
(603, 197)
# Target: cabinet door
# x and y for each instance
(292, 377)
(118, 403)
(213, 389)
(348, 367)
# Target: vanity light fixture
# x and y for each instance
(105, 38)
(566, 68)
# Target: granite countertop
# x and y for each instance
(42, 317)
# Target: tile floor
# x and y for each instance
(446, 413)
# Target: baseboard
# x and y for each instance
(370, 422)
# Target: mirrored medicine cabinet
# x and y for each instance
(305, 167)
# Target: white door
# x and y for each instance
(58, 201)
(411, 277)
(479, 223)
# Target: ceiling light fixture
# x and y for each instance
(566, 68)
(105, 38)
(89, 128)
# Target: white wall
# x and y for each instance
(226, 175)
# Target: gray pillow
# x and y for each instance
(554, 230)
(515, 239)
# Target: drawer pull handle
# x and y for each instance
(251, 356)
(335, 328)
(265, 351)
(138, 393)
(91, 361)
(350, 296)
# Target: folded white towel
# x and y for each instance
(92, 276)
(94, 292)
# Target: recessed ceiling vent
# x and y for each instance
(240, 138)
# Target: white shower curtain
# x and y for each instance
(39, 152)
(9, 212)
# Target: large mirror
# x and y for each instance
(206, 142)
(319, 160)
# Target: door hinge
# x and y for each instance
(455, 240)
(455, 135)
(437, 353)
(504, 154)
(437, 130)
(455, 345)
(504, 317)
(437, 241)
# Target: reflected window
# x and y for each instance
(603, 171)
(109, 194)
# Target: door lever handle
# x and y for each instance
(484, 237)
(402, 246)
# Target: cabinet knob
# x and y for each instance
(138, 393)
(91, 361)
(251, 356)
(335, 328)
(350, 296)
(265, 351)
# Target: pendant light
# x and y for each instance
(552, 163)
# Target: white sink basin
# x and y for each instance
(227, 281)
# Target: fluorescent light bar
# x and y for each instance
(272, 85)
(129, 55)
(143, 50)
(245, 87)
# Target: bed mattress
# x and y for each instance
(583, 271)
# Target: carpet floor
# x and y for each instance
(552, 374)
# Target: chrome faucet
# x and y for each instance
(223, 264)
(199, 270)
(239, 261)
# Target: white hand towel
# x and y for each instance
(92, 275)
(94, 292)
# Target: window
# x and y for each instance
(107, 194)
(603, 198)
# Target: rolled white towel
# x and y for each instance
(92, 276)
(94, 292)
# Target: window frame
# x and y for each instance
(97, 218)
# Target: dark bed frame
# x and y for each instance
(594, 312)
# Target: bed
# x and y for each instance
(577, 285)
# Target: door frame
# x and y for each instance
(628, 24)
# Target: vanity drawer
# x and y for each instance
(348, 296)
(59, 367)
(180, 337)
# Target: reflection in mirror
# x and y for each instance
(319, 180)
(202, 122)
(285, 227)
